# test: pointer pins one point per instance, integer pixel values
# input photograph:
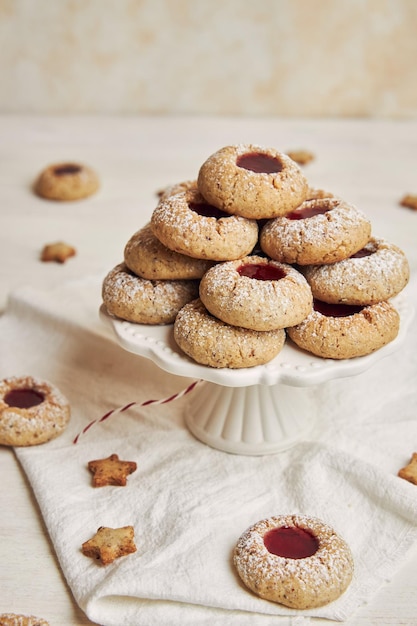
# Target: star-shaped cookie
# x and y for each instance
(409, 472)
(410, 201)
(111, 471)
(58, 252)
(109, 544)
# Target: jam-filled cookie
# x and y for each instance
(295, 560)
(11, 619)
(319, 231)
(377, 272)
(148, 258)
(185, 223)
(256, 293)
(252, 181)
(67, 181)
(342, 331)
(143, 301)
(32, 411)
(209, 341)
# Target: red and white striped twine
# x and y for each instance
(176, 396)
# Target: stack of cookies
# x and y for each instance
(248, 255)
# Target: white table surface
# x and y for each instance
(370, 163)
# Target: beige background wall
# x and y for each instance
(309, 58)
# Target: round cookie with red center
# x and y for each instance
(295, 560)
(256, 293)
(148, 258)
(11, 619)
(188, 225)
(143, 301)
(67, 181)
(252, 181)
(319, 231)
(342, 331)
(377, 272)
(32, 411)
(209, 341)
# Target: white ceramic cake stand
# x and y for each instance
(254, 411)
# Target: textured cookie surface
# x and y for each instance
(378, 272)
(281, 297)
(211, 342)
(11, 619)
(187, 224)
(148, 258)
(409, 471)
(67, 181)
(252, 181)
(306, 564)
(111, 471)
(143, 301)
(336, 336)
(109, 544)
(32, 411)
(331, 230)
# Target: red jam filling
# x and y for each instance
(260, 271)
(336, 310)
(259, 163)
(23, 398)
(360, 254)
(64, 170)
(207, 210)
(307, 211)
(291, 542)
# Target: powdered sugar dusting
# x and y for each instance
(299, 583)
(145, 301)
(322, 238)
(257, 304)
(379, 276)
(247, 193)
(35, 424)
(180, 228)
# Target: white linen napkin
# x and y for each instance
(189, 503)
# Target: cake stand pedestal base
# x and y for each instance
(254, 420)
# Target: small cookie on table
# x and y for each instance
(295, 560)
(32, 411)
(409, 201)
(11, 619)
(111, 471)
(302, 157)
(58, 252)
(109, 544)
(66, 181)
(409, 472)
